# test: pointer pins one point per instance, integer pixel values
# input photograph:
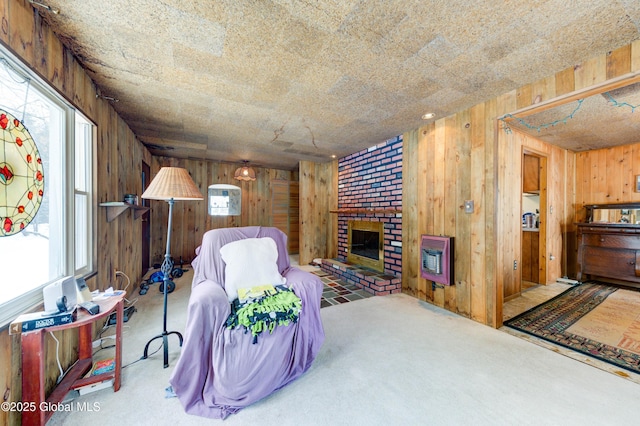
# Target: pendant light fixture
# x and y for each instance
(245, 172)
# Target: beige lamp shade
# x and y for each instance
(172, 183)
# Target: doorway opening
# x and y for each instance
(533, 208)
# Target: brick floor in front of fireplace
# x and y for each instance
(337, 291)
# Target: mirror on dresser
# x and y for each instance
(614, 213)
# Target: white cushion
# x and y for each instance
(250, 262)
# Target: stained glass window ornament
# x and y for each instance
(21, 176)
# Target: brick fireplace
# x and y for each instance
(370, 190)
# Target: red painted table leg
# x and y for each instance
(33, 378)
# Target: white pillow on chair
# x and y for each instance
(250, 262)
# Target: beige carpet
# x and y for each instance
(386, 360)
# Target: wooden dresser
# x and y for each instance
(609, 250)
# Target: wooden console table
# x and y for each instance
(609, 250)
(33, 371)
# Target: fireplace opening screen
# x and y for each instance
(365, 243)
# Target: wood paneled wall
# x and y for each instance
(118, 168)
(444, 164)
(467, 155)
(606, 176)
(318, 197)
(190, 218)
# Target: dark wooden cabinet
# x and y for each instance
(530, 256)
(609, 250)
(531, 174)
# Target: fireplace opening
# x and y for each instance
(365, 244)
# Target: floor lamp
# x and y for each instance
(170, 184)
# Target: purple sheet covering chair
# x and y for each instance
(220, 371)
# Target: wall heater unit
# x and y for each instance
(436, 263)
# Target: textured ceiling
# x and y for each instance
(602, 120)
(275, 82)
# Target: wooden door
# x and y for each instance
(294, 217)
(285, 214)
(280, 206)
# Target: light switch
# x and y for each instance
(468, 206)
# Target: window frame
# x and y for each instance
(90, 192)
(32, 298)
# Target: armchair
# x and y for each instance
(221, 370)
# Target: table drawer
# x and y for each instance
(612, 263)
(612, 241)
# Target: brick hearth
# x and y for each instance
(369, 280)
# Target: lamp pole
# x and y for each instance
(170, 184)
(166, 270)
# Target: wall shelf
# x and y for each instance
(116, 208)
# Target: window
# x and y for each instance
(58, 241)
(224, 200)
(83, 191)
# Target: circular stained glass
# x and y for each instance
(21, 176)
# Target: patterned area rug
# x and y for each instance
(596, 319)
